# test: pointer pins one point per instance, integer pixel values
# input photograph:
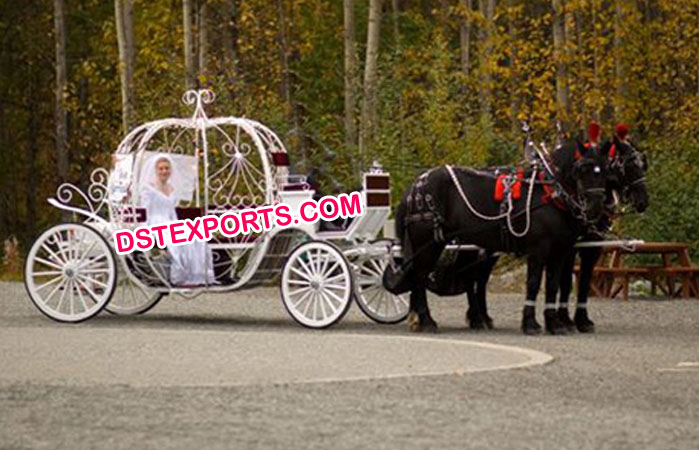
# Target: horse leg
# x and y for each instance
(553, 276)
(481, 287)
(588, 259)
(419, 318)
(474, 316)
(534, 271)
(566, 285)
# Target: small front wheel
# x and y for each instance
(316, 284)
(70, 273)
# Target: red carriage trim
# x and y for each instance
(280, 159)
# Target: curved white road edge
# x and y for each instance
(77, 356)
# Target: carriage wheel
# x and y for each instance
(316, 284)
(131, 299)
(373, 299)
(70, 273)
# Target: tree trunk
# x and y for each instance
(369, 101)
(619, 64)
(203, 32)
(284, 55)
(124, 27)
(231, 45)
(465, 38)
(514, 77)
(579, 54)
(189, 63)
(61, 88)
(595, 64)
(33, 132)
(487, 8)
(350, 75)
(559, 43)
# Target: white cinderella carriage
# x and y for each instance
(225, 163)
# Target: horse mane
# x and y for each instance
(563, 157)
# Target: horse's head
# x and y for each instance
(580, 170)
(627, 172)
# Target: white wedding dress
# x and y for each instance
(191, 264)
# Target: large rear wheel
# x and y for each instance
(70, 273)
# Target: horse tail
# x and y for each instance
(401, 211)
(398, 279)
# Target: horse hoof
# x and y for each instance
(477, 325)
(489, 324)
(416, 325)
(553, 324)
(583, 323)
(565, 319)
(530, 327)
(413, 322)
(531, 331)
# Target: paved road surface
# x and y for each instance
(236, 372)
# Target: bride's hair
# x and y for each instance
(162, 158)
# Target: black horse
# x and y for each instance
(625, 174)
(627, 167)
(447, 204)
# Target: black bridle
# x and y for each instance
(619, 164)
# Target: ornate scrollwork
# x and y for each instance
(93, 202)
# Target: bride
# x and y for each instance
(191, 264)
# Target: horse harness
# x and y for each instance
(422, 206)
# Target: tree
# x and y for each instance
(465, 36)
(559, 51)
(486, 37)
(203, 32)
(189, 62)
(61, 91)
(368, 119)
(123, 12)
(350, 74)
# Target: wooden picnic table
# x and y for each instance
(612, 276)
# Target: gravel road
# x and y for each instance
(634, 384)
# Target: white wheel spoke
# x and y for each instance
(332, 294)
(63, 295)
(303, 265)
(315, 306)
(308, 304)
(48, 283)
(47, 263)
(92, 280)
(91, 261)
(82, 299)
(95, 297)
(321, 299)
(85, 253)
(303, 297)
(298, 291)
(54, 256)
(104, 270)
(299, 273)
(299, 282)
(58, 286)
(330, 303)
(47, 272)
